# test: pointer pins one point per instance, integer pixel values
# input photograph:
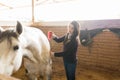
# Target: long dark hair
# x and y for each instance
(76, 26)
(75, 34)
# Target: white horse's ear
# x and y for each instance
(19, 28)
(1, 29)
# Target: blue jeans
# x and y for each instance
(70, 69)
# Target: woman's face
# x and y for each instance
(71, 29)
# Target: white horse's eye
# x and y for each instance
(15, 47)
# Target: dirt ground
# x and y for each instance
(81, 73)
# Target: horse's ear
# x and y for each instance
(19, 28)
(1, 29)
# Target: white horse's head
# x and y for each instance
(10, 50)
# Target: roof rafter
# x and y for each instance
(6, 6)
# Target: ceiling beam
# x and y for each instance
(6, 6)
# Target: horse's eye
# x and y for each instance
(15, 47)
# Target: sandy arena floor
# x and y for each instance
(81, 73)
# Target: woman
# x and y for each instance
(70, 45)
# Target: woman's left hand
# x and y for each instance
(52, 53)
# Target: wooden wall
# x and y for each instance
(103, 54)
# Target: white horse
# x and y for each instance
(29, 42)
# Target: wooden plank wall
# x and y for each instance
(104, 53)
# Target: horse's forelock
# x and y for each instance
(7, 35)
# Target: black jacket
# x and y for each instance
(69, 48)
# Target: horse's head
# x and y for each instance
(10, 52)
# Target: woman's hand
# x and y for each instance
(53, 35)
(52, 53)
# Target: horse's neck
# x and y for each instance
(35, 42)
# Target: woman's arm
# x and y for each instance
(59, 54)
(59, 39)
(67, 52)
(70, 49)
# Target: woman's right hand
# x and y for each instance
(53, 35)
